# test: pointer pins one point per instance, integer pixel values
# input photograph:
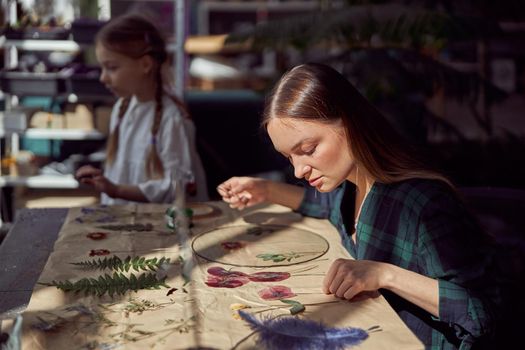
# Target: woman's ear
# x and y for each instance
(146, 64)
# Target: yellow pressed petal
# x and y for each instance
(238, 306)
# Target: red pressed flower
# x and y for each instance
(276, 293)
(97, 235)
(232, 245)
(268, 276)
(226, 281)
(219, 271)
(96, 252)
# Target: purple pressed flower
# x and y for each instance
(226, 281)
(219, 271)
(233, 245)
(87, 210)
(268, 276)
(221, 278)
(107, 218)
(276, 293)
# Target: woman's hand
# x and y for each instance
(92, 176)
(346, 278)
(242, 192)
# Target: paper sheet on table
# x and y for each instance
(195, 315)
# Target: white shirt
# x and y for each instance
(176, 148)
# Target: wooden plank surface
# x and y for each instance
(23, 254)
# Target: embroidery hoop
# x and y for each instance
(275, 239)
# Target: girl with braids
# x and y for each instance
(152, 141)
(410, 235)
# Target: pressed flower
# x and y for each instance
(238, 306)
(235, 309)
(107, 218)
(97, 235)
(85, 210)
(233, 245)
(276, 293)
(268, 276)
(219, 271)
(98, 252)
(226, 281)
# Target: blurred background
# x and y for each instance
(449, 75)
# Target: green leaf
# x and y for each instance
(296, 308)
(115, 263)
(118, 284)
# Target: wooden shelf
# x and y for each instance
(40, 181)
(212, 44)
(43, 45)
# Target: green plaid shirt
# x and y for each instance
(422, 226)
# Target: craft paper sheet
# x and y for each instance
(195, 314)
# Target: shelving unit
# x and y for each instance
(35, 84)
(11, 52)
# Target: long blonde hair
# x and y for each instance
(134, 36)
(317, 92)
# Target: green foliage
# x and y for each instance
(115, 263)
(391, 52)
(358, 26)
(117, 284)
(278, 257)
(296, 308)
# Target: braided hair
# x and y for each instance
(134, 36)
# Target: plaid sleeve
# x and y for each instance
(319, 204)
(453, 251)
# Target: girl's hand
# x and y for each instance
(242, 192)
(92, 176)
(346, 278)
(85, 173)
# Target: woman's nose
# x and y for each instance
(300, 170)
(103, 77)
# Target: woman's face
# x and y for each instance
(121, 74)
(318, 152)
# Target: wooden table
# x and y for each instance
(28, 245)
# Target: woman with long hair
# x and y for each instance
(404, 224)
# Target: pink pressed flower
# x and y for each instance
(268, 276)
(233, 245)
(95, 252)
(97, 235)
(226, 281)
(276, 293)
(219, 271)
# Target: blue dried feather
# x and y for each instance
(294, 333)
